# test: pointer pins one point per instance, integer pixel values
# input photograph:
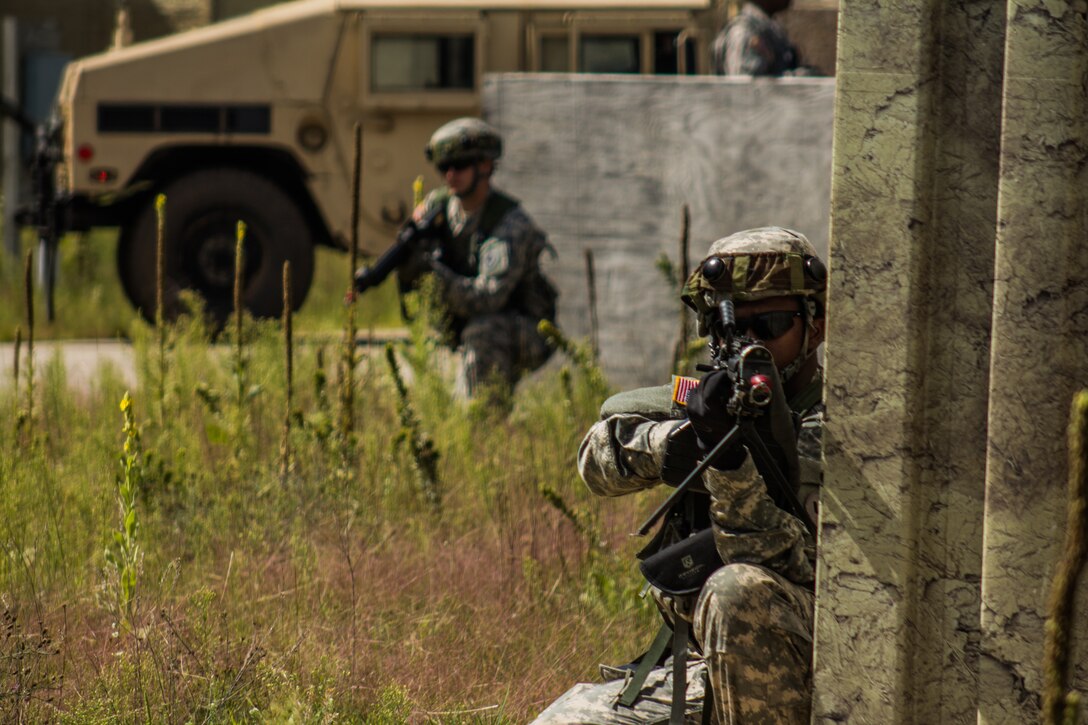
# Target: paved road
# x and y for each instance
(83, 359)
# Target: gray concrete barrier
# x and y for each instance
(606, 163)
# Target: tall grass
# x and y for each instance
(90, 302)
(345, 596)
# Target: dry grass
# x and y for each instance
(334, 593)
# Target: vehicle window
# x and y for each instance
(554, 54)
(609, 54)
(407, 62)
(666, 56)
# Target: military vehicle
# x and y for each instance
(252, 119)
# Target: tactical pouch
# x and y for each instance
(683, 567)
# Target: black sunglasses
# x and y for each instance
(766, 325)
(455, 165)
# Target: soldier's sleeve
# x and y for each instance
(417, 264)
(749, 527)
(504, 259)
(623, 453)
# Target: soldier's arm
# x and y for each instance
(749, 527)
(504, 260)
(623, 453)
(417, 265)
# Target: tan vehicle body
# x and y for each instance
(278, 92)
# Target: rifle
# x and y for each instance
(763, 422)
(414, 233)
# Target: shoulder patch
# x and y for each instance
(682, 387)
(494, 257)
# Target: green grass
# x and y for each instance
(336, 593)
(91, 303)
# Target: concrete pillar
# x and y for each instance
(958, 335)
(914, 200)
(1040, 347)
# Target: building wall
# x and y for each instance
(740, 153)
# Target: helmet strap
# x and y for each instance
(808, 320)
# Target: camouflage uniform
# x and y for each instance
(493, 291)
(753, 44)
(753, 617)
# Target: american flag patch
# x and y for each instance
(682, 387)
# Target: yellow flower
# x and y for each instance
(126, 403)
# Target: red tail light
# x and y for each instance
(85, 152)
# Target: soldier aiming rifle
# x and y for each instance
(484, 252)
(734, 560)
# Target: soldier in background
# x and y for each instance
(752, 618)
(755, 44)
(485, 256)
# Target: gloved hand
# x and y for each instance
(682, 455)
(710, 419)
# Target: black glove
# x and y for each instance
(711, 421)
(682, 455)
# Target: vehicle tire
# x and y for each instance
(202, 212)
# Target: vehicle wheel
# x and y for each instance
(202, 212)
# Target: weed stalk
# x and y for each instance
(124, 552)
(582, 357)
(28, 286)
(417, 191)
(239, 347)
(289, 367)
(591, 285)
(582, 523)
(347, 379)
(420, 445)
(1058, 702)
(15, 362)
(160, 323)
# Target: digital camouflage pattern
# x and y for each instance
(595, 704)
(759, 263)
(624, 453)
(752, 620)
(753, 44)
(493, 290)
(464, 139)
(755, 630)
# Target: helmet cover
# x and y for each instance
(464, 139)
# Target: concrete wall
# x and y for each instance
(957, 335)
(605, 163)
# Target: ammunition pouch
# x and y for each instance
(683, 567)
(682, 554)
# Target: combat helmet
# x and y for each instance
(756, 264)
(464, 139)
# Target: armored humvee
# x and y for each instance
(252, 119)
